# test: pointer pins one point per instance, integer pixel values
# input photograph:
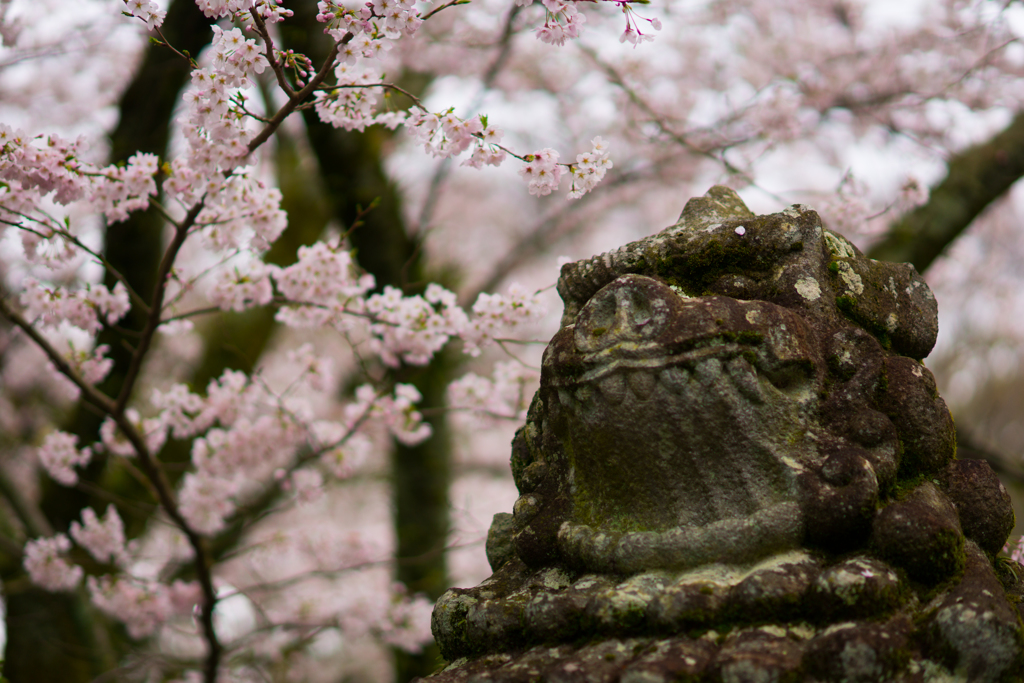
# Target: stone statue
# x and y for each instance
(738, 469)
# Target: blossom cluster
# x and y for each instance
(50, 165)
(542, 172)
(390, 18)
(59, 455)
(632, 34)
(148, 11)
(214, 123)
(444, 134)
(351, 104)
(244, 434)
(270, 11)
(84, 308)
(413, 328)
(505, 395)
(92, 365)
(324, 287)
(151, 429)
(32, 168)
(494, 314)
(48, 567)
(104, 539)
(398, 413)
(128, 188)
(323, 283)
(409, 327)
(244, 428)
(141, 604)
(562, 21)
(247, 434)
(363, 34)
(243, 287)
(241, 211)
(222, 8)
(589, 168)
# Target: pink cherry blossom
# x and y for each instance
(153, 431)
(148, 11)
(542, 172)
(497, 314)
(179, 408)
(243, 287)
(589, 169)
(206, 501)
(59, 456)
(85, 308)
(505, 395)
(46, 565)
(307, 485)
(105, 539)
(142, 606)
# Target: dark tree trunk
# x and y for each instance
(977, 176)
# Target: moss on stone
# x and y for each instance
(626, 453)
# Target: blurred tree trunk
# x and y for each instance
(976, 177)
(60, 638)
(352, 171)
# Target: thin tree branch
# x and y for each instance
(299, 97)
(450, 3)
(156, 307)
(149, 466)
(66, 234)
(146, 460)
(89, 392)
(261, 28)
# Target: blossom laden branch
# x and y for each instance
(450, 3)
(298, 97)
(91, 394)
(268, 44)
(156, 306)
(148, 466)
(54, 228)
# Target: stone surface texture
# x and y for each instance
(738, 469)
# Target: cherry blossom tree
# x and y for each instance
(206, 225)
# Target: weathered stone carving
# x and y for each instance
(738, 469)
